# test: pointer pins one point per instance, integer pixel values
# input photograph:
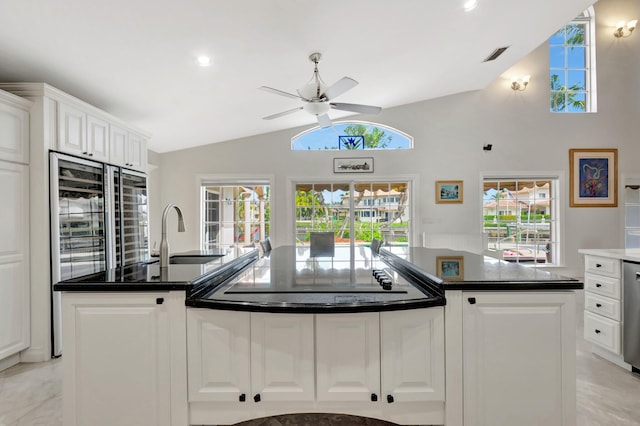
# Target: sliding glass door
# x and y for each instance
(356, 212)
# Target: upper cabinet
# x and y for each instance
(14, 128)
(127, 149)
(74, 127)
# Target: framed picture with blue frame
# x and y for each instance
(593, 177)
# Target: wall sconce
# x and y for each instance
(619, 32)
(520, 83)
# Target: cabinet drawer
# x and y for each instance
(602, 265)
(601, 305)
(602, 331)
(605, 286)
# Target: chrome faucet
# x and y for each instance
(164, 244)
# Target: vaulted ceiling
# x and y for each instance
(137, 58)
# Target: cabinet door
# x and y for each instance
(282, 353)
(412, 346)
(116, 352)
(136, 152)
(218, 355)
(117, 145)
(97, 139)
(519, 359)
(72, 130)
(14, 134)
(14, 259)
(348, 357)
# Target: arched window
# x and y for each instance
(572, 66)
(351, 135)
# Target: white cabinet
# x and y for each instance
(225, 365)
(603, 305)
(14, 128)
(82, 134)
(118, 357)
(282, 357)
(412, 346)
(386, 365)
(348, 357)
(14, 260)
(127, 149)
(218, 355)
(519, 358)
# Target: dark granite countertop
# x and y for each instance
(148, 276)
(289, 280)
(460, 270)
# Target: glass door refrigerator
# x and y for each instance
(98, 221)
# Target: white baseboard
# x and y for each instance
(611, 357)
(34, 354)
(9, 362)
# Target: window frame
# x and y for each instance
(411, 180)
(557, 176)
(587, 18)
(227, 180)
(354, 122)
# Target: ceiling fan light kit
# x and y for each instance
(317, 97)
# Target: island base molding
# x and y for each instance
(611, 357)
(430, 413)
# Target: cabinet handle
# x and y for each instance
(389, 399)
(598, 305)
(374, 397)
(598, 265)
(242, 397)
(85, 153)
(597, 331)
(159, 300)
(472, 300)
(256, 397)
(91, 154)
(598, 285)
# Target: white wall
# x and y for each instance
(449, 134)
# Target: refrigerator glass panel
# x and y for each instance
(135, 222)
(81, 217)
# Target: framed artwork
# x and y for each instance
(353, 165)
(593, 180)
(448, 191)
(450, 268)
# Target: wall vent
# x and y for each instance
(494, 55)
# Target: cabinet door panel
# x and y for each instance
(412, 344)
(282, 353)
(218, 354)
(14, 134)
(519, 359)
(136, 152)
(117, 352)
(97, 139)
(14, 259)
(348, 356)
(72, 130)
(117, 145)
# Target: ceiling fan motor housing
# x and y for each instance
(317, 108)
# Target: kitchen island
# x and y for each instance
(289, 334)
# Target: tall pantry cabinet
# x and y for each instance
(61, 122)
(14, 228)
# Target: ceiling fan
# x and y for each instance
(317, 97)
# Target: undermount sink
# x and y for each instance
(194, 260)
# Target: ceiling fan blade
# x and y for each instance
(362, 109)
(280, 92)
(339, 87)
(324, 120)
(280, 114)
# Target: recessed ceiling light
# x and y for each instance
(470, 5)
(204, 61)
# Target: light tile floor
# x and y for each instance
(31, 394)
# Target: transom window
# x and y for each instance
(351, 135)
(520, 219)
(356, 212)
(572, 66)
